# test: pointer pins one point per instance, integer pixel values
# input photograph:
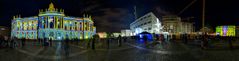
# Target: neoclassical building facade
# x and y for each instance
(53, 24)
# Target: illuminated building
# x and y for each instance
(126, 33)
(226, 30)
(116, 34)
(102, 34)
(52, 24)
(174, 25)
(147, 23)
(237, 31)
(4, 31)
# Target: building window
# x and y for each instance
(149, 28)
(80, 26)
(76, 26)
(149, 22)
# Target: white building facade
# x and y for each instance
(126, 33)
(147, 23)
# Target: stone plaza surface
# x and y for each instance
(129, 51)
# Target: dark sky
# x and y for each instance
(114, 15)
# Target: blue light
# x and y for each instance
(149, 36)
(59, 38)
(140, 36)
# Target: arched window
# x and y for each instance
(76, 26)
(59, 22)
(80, 26)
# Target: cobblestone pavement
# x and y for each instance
(130, 51)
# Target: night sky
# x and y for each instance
(114, 15)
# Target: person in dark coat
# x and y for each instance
(95, 38)
(108, 42)
(156, 37)
(50, 42)
(173, 37)
(1, 41)
(145, 38)
(66, 47)
(185, 38)
(11, 45)
(88, 43)
(125, 39)
(93, 44)
(204, 41)
(23, 42)
(119, 40)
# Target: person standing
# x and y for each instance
(1, 41)
(108, 42)
(161, 38)
(185, 38)
(50, 42)
(108, 39)
(93, 43)
(95, 38)
(11, 45)
(125, 39)
(88, 43)
(174, 37)
(230, 42)
(157, 37)
(145, 39)
(119, 40)
(204, 41)
(23, 42)
(66, 47)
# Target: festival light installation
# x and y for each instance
(53, 24)
(226, 30)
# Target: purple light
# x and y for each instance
(224, 30)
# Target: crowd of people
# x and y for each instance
(119, 39)
(203, 39)
(207, 41)
(7, 42)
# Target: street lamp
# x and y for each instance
(203, 15)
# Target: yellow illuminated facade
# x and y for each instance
(53, 24)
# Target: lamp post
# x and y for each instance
(203, 16)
